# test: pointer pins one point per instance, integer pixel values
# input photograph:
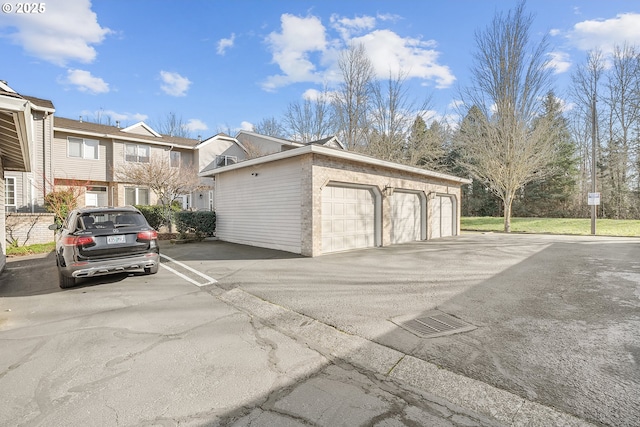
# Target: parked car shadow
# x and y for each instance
(37, 275)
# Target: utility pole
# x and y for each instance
(594, 207)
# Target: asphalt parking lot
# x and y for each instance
(557, 317)
(555, 321)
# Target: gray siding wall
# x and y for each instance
(208, 153)
(260, 146)
(261, 210)
(74, 168)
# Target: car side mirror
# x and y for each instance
(55, 227)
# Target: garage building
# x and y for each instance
(315, 200)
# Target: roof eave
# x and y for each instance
(20, 110)
(120, 137)
(345, 155)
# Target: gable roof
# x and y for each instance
(40, 104)
(106, 131)
(141, 128)
(223, 136)
(275, 139)
(327, 142)
(337, 154)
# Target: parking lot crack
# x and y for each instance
(266, 344)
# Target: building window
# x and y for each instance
(136, 196)
(10, 194)
(175, 159)
(137, 153)
(83, 148)
(210, 200)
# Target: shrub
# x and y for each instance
(154, 214)
(60, 202)
(200, 223)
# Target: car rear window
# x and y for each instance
(111, 219)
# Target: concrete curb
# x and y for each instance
(468, 393)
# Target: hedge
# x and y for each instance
(200, 223)
(155, 214)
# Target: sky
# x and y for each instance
(225, 65)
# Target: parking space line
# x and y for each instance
(210, 280)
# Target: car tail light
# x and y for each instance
(78, 241)
(148, 235)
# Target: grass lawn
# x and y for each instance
(31, 249)
(581, 226)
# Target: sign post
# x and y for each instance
(593, 200)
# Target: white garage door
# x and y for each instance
(348, 218)
(442, 217)
(406, 218)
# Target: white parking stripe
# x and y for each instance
(210, 280)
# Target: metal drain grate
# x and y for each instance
(434, 324)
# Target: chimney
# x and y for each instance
(118, 124)
(80, 119)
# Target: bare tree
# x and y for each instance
(166, 181)
(510, 78)
(352, 99)
(173, 125)
(585, 85)
(311, 119)
(270, 126)
(622, 99)
(391, 115)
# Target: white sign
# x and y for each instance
(593, 199)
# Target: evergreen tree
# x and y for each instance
(426, 145)
(477, 198)
(552, 196)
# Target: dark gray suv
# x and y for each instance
(100, 241)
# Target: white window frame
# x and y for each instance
(178, 158)
(137, 148)
(8, 205)
(210, 200)
(137, 195)
(84, 144)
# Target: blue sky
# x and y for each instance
(225, 65)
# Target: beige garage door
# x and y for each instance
(406, 218)
(442, 217)
(348, 218)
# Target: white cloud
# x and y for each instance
(349, 26)
(417, 58)
(248, 126)
(123, 118)
(224, 44)
(605, 34)
(305, 53)
(559, 62)
(174, 84)
(291, 48)
(311, 95)
(195, 125)
(85, 82)
(65, 32)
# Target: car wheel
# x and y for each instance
(66, 281)
(152, 270)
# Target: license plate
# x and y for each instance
(116, 239)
